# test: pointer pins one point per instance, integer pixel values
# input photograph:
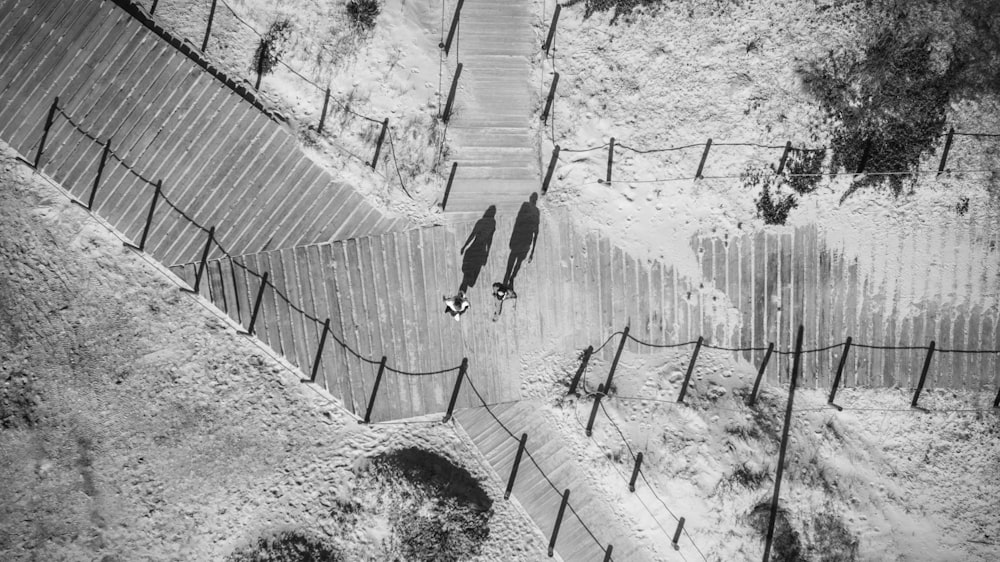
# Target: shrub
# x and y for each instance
(287, 546)
(786, 546)
(363, 13)
(442, 513)
(803, 170)
(272, 46)
(771, 205)
(621, 7)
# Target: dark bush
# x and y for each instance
(786, 545)
(832, 541)
(621, 7)
(363, 13)
(272, 47)
(771, 205)
(458, 522)
(896, 90)
(803, 170)
(287, 546)
(891, 96)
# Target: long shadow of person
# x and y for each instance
(477, 248)
(522, 239)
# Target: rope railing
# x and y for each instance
(213, 241)
(327, 98)
(537, 466)
(558, 144)
(606, 392)
(804, 351)
(701, 145)
(597, 395)
(929, 350)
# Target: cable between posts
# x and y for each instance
(533, 461)
(235, 259)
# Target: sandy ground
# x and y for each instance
(877, 481)
(137, 424)
(393, 71)
(689, 71)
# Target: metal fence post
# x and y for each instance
(583, 367)
(451, 94)
(947, 148)
(796, 365)
(677, 533)
(378, 381)
(784, 157)
(635, 472)
(381, 139)
(614, 363)
(923, 374)
(322, 115)
(517, 463)
(840, 371)
(100, 172)
(319, 351)
(203, 262)
(552, 168)
(149, 218)
(593, 410)
(256, 303)
(611, 159)
(552, 30)
(208, 28)
(447, 187)
(551, 96)
(559, 516)
(687, 377)
(454, 27)
(704, 156)
(760, 374)
(458, 386)
(45, 132)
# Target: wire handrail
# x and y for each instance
(533, 461)
(236, 259)
(345, 107)
(701, 145)
(804, 351)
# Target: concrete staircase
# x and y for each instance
(533, 489)
(223, 161)
(491, 130)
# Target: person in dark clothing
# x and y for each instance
(522, 239)
(501, 292)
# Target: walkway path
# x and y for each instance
(532, 487)
(222, 160)
(491, 130)
(331, 255)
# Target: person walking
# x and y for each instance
(456, 306)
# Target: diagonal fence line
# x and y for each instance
(534, 462)
(652, 490)
(236, 259)
(655, 149)
(343, 106)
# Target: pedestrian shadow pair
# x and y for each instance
(523, 239)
